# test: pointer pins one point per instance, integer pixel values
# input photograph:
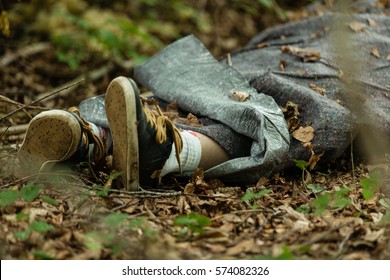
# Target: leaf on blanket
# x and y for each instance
(317, 89)
(240, 96)
(375, 52)
(291, 114)
(357, 26)
(372, 22)
(304, 134)
(306, 55)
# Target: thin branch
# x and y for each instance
(40, 99)
(13, 130)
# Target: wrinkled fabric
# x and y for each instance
(186, 73)
(369, 101)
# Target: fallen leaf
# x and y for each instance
(240, 96)
(375, 52)
(282, 65)
(304, 134)
(373, 236)
(306, 55)
(372, 22)
(291, 113)
(314, 158)
(357, 26)
(261, 45)
(388, 58)
(317, 89)
(241, 247)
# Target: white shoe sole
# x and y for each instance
(52, 136)
(121, 113)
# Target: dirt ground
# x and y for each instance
(338, 211)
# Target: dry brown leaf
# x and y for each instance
(241, 247)
(388, 57)
(301, 226)
(282, 65)
(261, 45)
(357, 26)
(294, 214)
(304, 134)
(317, 89)
(372, 22)
(240, 96)
(375, 52)
(306, 55)
(291, 114)
(373, 236)
(314, 158)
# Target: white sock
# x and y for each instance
(189, 156)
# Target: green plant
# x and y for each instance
(193, 222)
(371, 185)
(38, 226)
(28, 193)
(250, 197)
(335, 200)
(301, 164)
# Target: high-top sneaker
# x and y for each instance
(142, 136)
(57, 136)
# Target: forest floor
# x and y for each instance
(337, 212)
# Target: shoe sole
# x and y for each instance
(121, 113)
(52, 136)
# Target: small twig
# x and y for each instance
(13, 130)
(13, 102)
(41, 98)
(10, 101)
(229, 59)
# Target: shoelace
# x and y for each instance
(160, 123)
(89, 136)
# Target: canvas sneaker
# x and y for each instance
(142, 136)
(57, 136)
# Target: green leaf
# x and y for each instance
(267, 3)
(314, 188)
(22, 216)
(193, 221)
(41, 227)
(370, 185)
(114, 220)
(250, 195)
(341, 198)
(301, 164)
(22, 235)
(93, 240)
(41, 255)
(8, 197)
(303, 209)
(30, 192)
(321, 203)
(50, 200)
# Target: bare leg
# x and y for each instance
(212, 153)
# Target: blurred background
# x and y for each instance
(66, 38)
